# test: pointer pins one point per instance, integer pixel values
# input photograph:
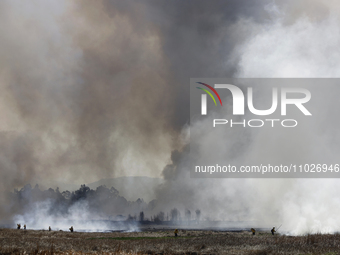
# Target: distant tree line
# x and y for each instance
(104, 202)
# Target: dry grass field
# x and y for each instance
(162, 242)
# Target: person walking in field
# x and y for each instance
(18, 226)
(49, 228)
(273, 230)
(71, 228)
(253, 230)
(176, 232)
(25, 226)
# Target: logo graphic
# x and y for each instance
(242, 100)
(204, 97)
(239, 99)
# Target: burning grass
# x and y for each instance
(162, 242)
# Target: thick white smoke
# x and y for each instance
(287, 47)
(305, 48)
(40, 216)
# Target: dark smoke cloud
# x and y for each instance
(99, 88)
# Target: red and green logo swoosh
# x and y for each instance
(208, 92)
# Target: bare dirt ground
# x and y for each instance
(14, 241)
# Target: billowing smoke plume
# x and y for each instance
(98, 89)
(298, 42)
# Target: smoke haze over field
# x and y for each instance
(100, 89)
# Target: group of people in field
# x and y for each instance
(252, 230)
(175, 232)
(49, 228)
(272, 231)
